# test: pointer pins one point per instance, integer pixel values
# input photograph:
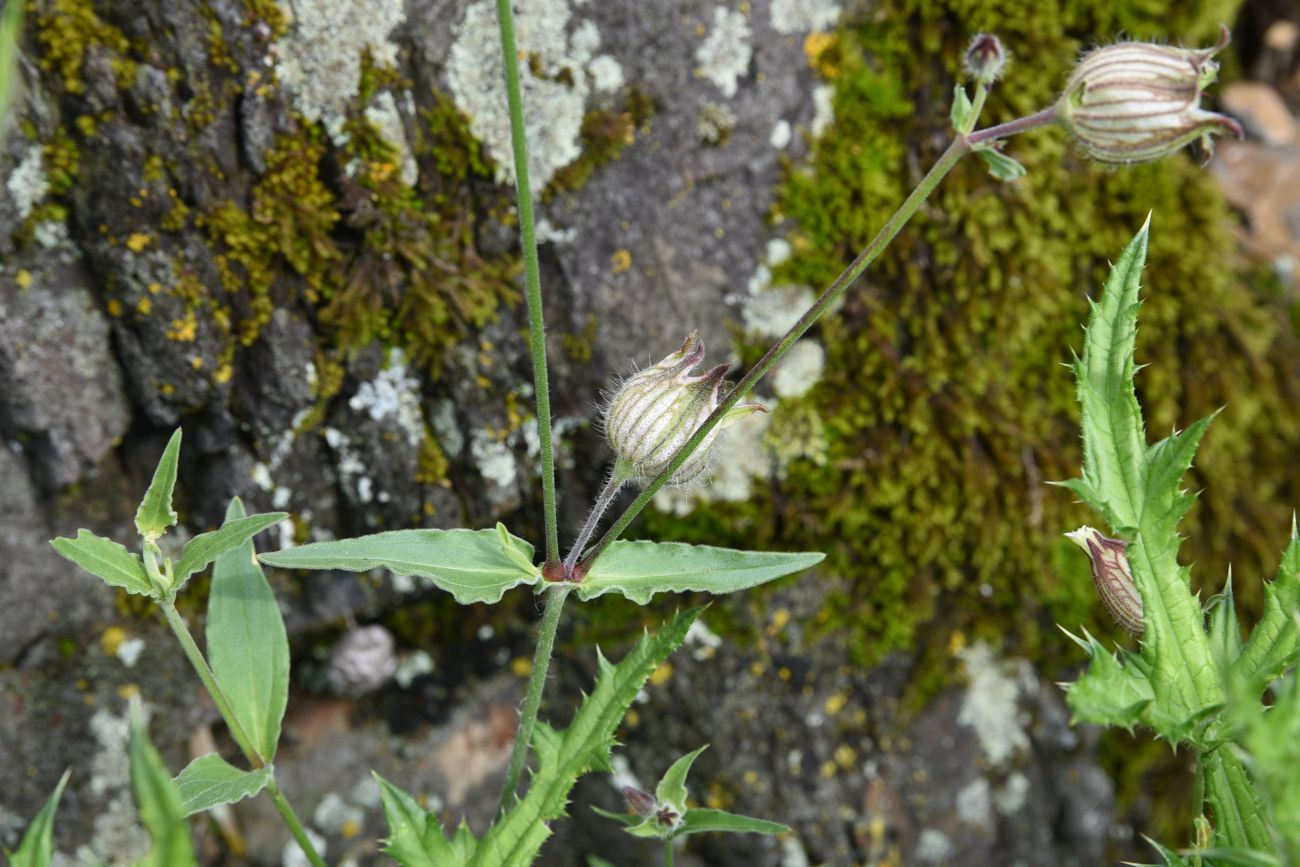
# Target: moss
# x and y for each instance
(66, 29)
(580, 347)
(944, 408)
(604, 135)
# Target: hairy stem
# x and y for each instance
(256, 759)
(668, 853)
(292, 822)
(536, 326)
(555, 596)
(959, 147)
(617, 477)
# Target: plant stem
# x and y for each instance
(195, 656)
(556, 594)
(295, 826)
(959, 147)
(536, 326)
(182, 632)
(612, 486)
(668, 853)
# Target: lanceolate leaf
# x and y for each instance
(472, 565)
(710, 821)
(563, 757)
(1275, 640)
(415, 837)
(639, 570)
(159, 803)
(1225, 633)
(1138, 490)
(210, 781)
(247, 646)
(37, 846)
(206, 547)
(672, 788)
(155, 514)
(1239, 815)
(106, 559)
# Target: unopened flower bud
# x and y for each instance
(642, 803)
(1110, 572)
(652, 414)
(985, 58)
(1136, 101)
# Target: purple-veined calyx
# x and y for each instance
(1112, 576)
(1136, 101)
(656, 410)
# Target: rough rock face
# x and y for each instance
(285, 228)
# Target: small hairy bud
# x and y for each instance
(642, 803)
(654, 412)
(1110, 572)
(985, 58)
(1136, 101)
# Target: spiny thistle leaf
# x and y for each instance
(564, 756)
(1138, 490)
(1275, 641)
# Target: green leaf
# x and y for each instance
(247, 646)
(37, 846)
(1225, 633)
(597, 861)
(562, 757)
(671, 790)
(961, 109)
(1238, 857)
(210, 781)
(1113, 691)
(1240, 816)
(1001, 166)
(415, 837)
(709, 821)
(1137, 489)
(1272, 736)
(11, 33)
(1275, 641)
(155, 514)
(1171, 858)
(639, 570)
(206, 547)
(108, 560)
(472, 565)
(625, 819)
(159, 801)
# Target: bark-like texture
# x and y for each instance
(219, 214)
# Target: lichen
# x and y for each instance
(724, 56)
(320, 58)
(563, 69)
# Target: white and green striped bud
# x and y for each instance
(655, 411)
(1136, 101)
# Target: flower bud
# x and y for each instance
(642, 803)
(985, 58)
(1110, 572)
(652, 414)
(1136, 101)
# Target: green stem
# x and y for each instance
(182, 632)
(617, 478)
(959, 147)
(536, 326)
(295, 826)
(556, 594)
(195, 656)
(668, 853)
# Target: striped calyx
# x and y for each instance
(1136, 101)
(1111, 574)
(654, 412)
